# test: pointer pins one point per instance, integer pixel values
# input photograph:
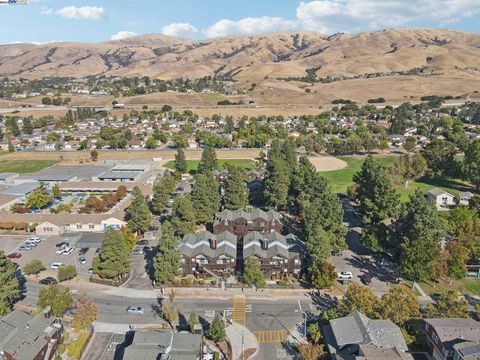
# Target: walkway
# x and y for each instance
(242, 340)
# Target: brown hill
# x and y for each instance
(265, 59)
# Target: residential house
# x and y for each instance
(465, 197)
(241, 222)
(207, 252)
(442, 334)
(27, 337)
(372, 352)
(277, 254)
(347, 338)
(156, 345)
(466, 350)
(440, 197)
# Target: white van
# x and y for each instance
(56, 265)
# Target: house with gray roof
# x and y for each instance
(277, 253)
(157, 345)
(466, 350)
(345, 336)
(241, 222)
(444, 333)
(207, 252)
(27, 337)
(440, 197)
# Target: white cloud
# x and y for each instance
(84, 12)
(123, 35)
(183, 30)
(250, 26)
(46, 11)
(330, 16)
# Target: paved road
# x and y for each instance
(274, 314)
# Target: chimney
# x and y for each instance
(213, 244)
(264, 244)
(47, 312)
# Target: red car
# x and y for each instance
(14, 256)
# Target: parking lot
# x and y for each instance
(105, 346)
(45, 251)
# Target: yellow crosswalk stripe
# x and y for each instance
(240, 308)
(271, 336)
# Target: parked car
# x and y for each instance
(98, 251)
(62, 244)
(60, 250)
(138, 251)
(56, 265)
(25, 247)
(345, 275)
(48, 281)
(82, 260)
(366, 279)
(35, 239)
(14, 255)
(90, 271)
(31, 243)
(68, 250)
(70, 312)
(135, 310)
(83, 251)
(142, 242)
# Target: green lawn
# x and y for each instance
(465, 286)
(212, 98)
(192, 165)
(342, 179)
(24, 166)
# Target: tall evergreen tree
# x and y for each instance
(137, 213)
(418, 231)
(236, 190)
(167, 259)
(208, 162)
(183, 216)
(27, 127)
(440, 158)
(471, 163)
(206, 197)
(9, 286)
(377, 200)
(277, 183)
(180, 161)
(162, 188)
(114, 259)
(216, 331)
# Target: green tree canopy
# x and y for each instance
(162, 188)
(183, 215)
(400, 304)
(58, 298)
(114, 258)
(236, 190)
(137, 213)
(252, 274)
(39, 198)
(216, 330)
(206, 197)
(167, 259)
(418, 231)
(208, 162)
(180, 161)
(449, 305)
(9, 286)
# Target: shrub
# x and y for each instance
(74, 349)
(33, 267)
(67, 272)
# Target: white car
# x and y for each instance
(345, 275)
(31, 242)
(135, 310)
(35, 239)
(56, 265)
(68, 250)
(61, 250)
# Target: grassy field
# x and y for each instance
(342, 179)
(24, 166)
(465, 287)
(192, 165)
(211, 98)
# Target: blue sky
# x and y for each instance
(43, 21)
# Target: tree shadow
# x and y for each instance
(373, 268)
(323, 301)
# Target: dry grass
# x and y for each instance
(327, 163)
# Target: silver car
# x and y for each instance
(135, 310)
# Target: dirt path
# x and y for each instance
(327, 163)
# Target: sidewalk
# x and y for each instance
(242, 340)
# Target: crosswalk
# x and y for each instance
(240, 309)
(271, 336)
